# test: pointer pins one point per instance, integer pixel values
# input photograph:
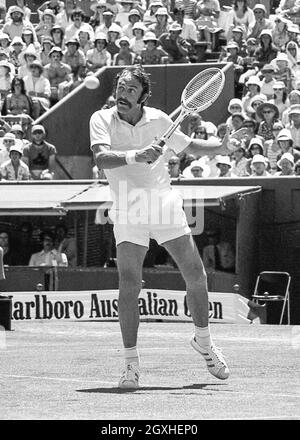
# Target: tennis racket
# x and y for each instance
(198, 95)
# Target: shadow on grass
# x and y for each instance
(115, 390)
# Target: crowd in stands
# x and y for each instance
(44, 54)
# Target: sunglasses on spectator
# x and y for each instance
(276, 129)
(8, 141)
(200, 132)
(173, 163)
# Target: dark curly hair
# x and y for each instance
(140, 74)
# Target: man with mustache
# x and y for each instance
(122, 141)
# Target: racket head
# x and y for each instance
(203, 90)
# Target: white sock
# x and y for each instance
(203, 337)
(131, 356)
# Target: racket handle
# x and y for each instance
(161, 143)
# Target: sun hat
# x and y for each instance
(267, 67)
(294, 109)
(16, 9)
(259, 158)
(281, 56)
(134, 12)
(284, 135)
(56, 49)
(256, 141)
(175, 27)
(17, 148)
(266, 32)
(253, 80)
(38, 127)
(232, 45)
(9, 136)
(224, 160)
(287, 156)
(235, 101)
(162, 11)
(279, 85)
(122, 39)
(17, 127)
(200, 164)
(268, 105)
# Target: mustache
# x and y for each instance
(120, 100)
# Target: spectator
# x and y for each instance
(272, 148)
(8, 141)
(97, 19)
(14, 27)
(5, 244)
(208, 12)
(29, 56)
(46, 46)
(28, 38)
(5, 42)
(56, 6)
(24, 245)
(125, 57)
(189, 29)
(234, 57)
(58, 73)
(38, 88)
(297, 168)
(113, 34)
(237, 37)
(18, 131)
(224, 165)
(280, 97)
(190, 8)
(286, 164)
(283, 72)
(221, 130)
(152, 53)
(268, 113)
(176, 47)
(268, 80)
(288, 7)
(237, 122)
(293, 33)
(199, 132)
(267, 51)
(235, 106)
(47, 21)
(174, 167)
(199, 169)
(259, 166)
(253, 87)
(58, 36)
(134, 16)
(48, 256)
(280, 33)
(261, 23)
(85, 39)
(15, 168)
(240, 15)
(6, 77)
(240, 162)
(21, 5)
(293, 54)
(39, 155)
(18, 102)
(77, 18)
(149, 16)
(218, 255)
(137, 43)
(65, 244)
(75, 58)
(99, 56)
(122, 16)
(294, 125)
(162, 22)
(16, 54)
(286, 144)
(254, 103)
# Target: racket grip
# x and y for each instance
(161, 143)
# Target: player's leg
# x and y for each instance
(130, 259)
(185, 253)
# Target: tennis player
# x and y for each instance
(122, 141)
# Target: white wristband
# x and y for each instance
(130, 157)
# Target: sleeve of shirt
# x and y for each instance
(99, 129)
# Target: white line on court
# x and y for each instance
(60, 379)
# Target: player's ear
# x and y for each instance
(143, 98)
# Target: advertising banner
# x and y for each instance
(165, 305)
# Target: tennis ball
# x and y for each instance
(91, 82)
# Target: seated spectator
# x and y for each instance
(221, 131)
(176, 47)
(65, 244)
(199, 132)
(25, 9)
(6, 77)
(77, 18)
(237, 122)
(137, 43)
(162, 22)
(280, 97)
(122, 16)
(8, 140)
(153, 52)
(280, 33)
(5, 42)
(239, 15)
(268, 80)
(254, 103)
(208, 13)
(75, 58)
(108, 19)
(85, 39)
(288, 8)
(185, 160)
(39, 155)
(149, 16)
(5, 244)
(272, 148)
(237, 37)
(29, 56)
(14, 168)
(293, 54)
(30, 39)
(46, 46)
(224, 165)
(286, 164)
(218, 254)
(18, 102)
(99, 55)
(47, 21)
(16, 53)
(58, 73)
(283, 72)
(57, 34)
(294, 125)
(110, 102)
(56, 6)
(125, 57)
(239, 162)
(233, 56)
(197, 168)
(48, 256)
(18, 131)
(99, 8)
(261, 23)
(189, 29)
(293, 33)
(24, 245)
(134, 16)
(235, 106)
(268, 113)
(297, 168)
(267, 51)
(38, 88)
(113, 35)
(253, 88)
(174, 167)
(14, 27)
(259, 166)
(286, 144)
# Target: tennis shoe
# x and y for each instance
(214, 358)
(130, 377)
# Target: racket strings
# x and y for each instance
(203, 89)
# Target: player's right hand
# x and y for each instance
(148, 154)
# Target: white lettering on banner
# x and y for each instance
(103, 305)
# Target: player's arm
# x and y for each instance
(105, 158)
(201, 147)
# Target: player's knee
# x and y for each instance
(196, 276)
(129, 278)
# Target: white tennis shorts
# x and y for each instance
(161, 218)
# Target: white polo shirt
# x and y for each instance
(106, 127)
